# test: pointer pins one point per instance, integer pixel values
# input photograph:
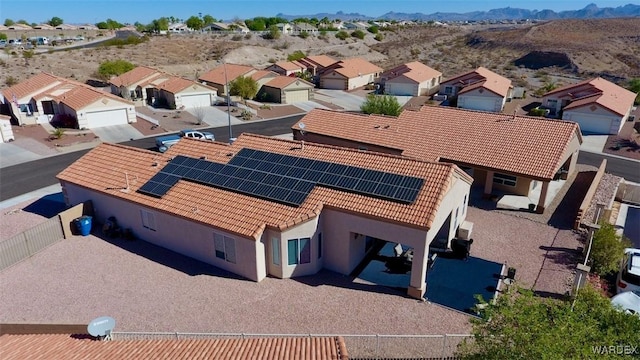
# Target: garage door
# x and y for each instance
(590, 124)
(336, 84)
(98, 119)
(293, 96)
(400, 89)
(477, 103)
(197, 100)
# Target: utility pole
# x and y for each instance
(226, 85)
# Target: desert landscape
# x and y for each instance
(571, 49)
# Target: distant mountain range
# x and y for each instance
(591, 11)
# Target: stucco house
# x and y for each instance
(510, 154)
(221, 75)
(273, 207)
(44, 98)
(284, 28)
(299, 28)
(287, 68)
(411, 79)
(480, 89)
(286, 90)
(349, 74)
(597, 105)
(263, 76)
(315, 64)
(179, 28)
(161, 89)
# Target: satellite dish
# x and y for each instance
(101, 326)
(301, 125)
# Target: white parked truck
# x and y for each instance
(165, 142)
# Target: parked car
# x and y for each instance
(3, 43)
(14, 42)
(628, 301)
(165, 142)
(79, 38)
(629, 275)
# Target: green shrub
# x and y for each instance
(358, 34)
(296, 55)
(379, 37)
(10, 81)
(373, 29)
(236, 37)
(304, 34)
(384, 104)
(27, 54)
(537, 112)
(342, 35)
(114, 68)
(607, 250)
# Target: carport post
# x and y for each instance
(543, 197)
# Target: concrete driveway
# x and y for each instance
(341, 98)
(215, 117)
(309, 105)
(117, 133)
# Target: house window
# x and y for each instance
(362, 148)
(448, 90)
(319, 245)
(225, 248)
(552, 103)
(455, 220)
(148, 220)
(275, 246)
(299, 251)
(464, 205)
(26, 108)
(503, 179)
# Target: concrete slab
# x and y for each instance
(519, 202)
(341, 98)
(403, 99)
(12, 154)
(309, 105)
(287, 136)
(593, 143)
(215, 117)
(117, 133)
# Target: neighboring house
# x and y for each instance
(3, 28)
(480, 89)
(18, 26)
(263, 77)
(286, 90)
(273, 207)
(411, 79)
(66, 27)
(44, 98)
(158, 88)
(284, 28)
(505, 153)
(179, 28)
(299, 28)
(68, 346)
(287, 68)
(222, 75)
(597, 105)
(44, 27)
(349, 74)
(87, 27)
(6, 132)
(354, 26)
(315, 64)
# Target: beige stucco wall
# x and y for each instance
(487, 96)
(423, 88)
(103, 104)
(183, 236)
(308, 229)
(615, 121)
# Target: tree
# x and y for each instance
(8, 22)
(358, 34)
(110, 68)
(55, 21)
(208, 20)
(384, 104)
(607, 250)
(109, 24)
(520, 325)
(634, 86)
(3, 36)
(273, 34)
(194, 23)
(161, 24)
(296, 55)
(245, 87)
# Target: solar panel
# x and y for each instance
(284, 178)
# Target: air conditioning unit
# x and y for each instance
(464, 230)
(631, 118)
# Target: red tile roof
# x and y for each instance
(599, 91)
(31, 85)
(290, 65)
(415, 71)
(76, 95)
(217, 75)
(321, 60)
(63, 346)
(133, 76)
(263, 73)
(282, 82)
(103, 170)
(354, 67)
(482, 77)
(522, 145)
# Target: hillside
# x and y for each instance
(579, 48)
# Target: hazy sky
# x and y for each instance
(130, 11)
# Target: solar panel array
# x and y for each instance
(282, 178)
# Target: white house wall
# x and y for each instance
(183, 236)
(490, 100)
(361, 80)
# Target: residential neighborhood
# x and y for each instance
(324, 202)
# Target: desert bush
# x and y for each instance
(607, 250)
(248, 36)
(272, 60)
(57, 133)
(296, 55)
(545, 89)
(415, 51)
(342, 35)
(303, 34)
(385, 105)
(236, 37)
(358, 34)
(379, 37)
(114, 68)
(10, 81)
(27, 54)
(373, 29)
(3, 36)
(537, 112)
(246, 115)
